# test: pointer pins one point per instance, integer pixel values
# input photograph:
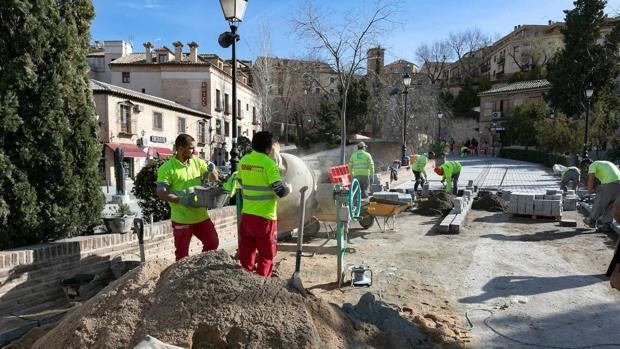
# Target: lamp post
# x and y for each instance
(233, 12)
(589, 92)
(439, 116)
(406, 84)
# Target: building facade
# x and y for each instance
(200, 82)
(144, 126)
(498, 103)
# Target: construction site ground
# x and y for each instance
(501, 283)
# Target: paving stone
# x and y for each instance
(568, 223)
(553, 197)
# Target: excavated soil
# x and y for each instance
(487, 201)
(208, 301)
(438, 204)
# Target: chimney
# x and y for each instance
(148, 53)
(550, 22)
(178, 51)
(193, 51)
(515, 27)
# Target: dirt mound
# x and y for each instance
(438, 204)
(487, 201)
(206, 301)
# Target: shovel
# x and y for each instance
(296, 279)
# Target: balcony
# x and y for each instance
(239, 114)
(218, 107)
(227, 109)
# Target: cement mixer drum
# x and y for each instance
(298, 174)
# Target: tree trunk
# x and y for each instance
(343, 119)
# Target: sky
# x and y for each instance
(163, 22)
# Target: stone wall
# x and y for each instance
(30, 276)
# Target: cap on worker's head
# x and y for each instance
(361, 145)
(586, 162)
(431, 155)
(439, 171)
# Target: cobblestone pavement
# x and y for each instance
(496, 173)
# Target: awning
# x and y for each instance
(129, 150)
(162, 152)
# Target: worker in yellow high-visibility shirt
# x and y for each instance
(419, 168)
(362, 167)
(261, 186)
(609, 190)
(450, 171)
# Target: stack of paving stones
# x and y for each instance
(454, 220)
(393, 197)
(537, 206)
(569, 201)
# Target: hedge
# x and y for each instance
(535, 156)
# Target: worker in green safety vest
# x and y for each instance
(609, 190)
(569, 175)
(261, 186)
(450, 171)
(362, 167)
(176, 180)
(419, 168)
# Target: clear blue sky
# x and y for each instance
(164, 21)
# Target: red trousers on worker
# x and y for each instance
(257, 234)
(204, 231)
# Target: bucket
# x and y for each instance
(212, 197)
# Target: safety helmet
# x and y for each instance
(439, 171)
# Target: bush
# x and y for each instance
(534, 156)
(145, 190)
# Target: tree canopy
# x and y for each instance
(49, 186)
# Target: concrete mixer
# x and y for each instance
(298, 174)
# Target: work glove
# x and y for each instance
(189, 201)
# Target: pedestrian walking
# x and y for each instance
(176, 180)
(261, 186)
(362, 167)
(609, 190)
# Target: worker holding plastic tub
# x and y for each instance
(261, 186)
(176, 180)
(449, 171)
(609, 190)
(418, 167)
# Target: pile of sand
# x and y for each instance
(487, 201)
(208, 301)
(438, 204)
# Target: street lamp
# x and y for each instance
(439, 116)
(589, 92)
(233, 12)
(406, 84)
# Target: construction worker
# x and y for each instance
(568, 174)
(418, 168)
(362, 167)
(176, 180)
(609, 190)
(449, 171)
(261, 185)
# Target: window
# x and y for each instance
(247, 107)
(181, 125)
(253, 133)
(238, 131)
(332, 80)
(218, 100)
(226, 104)
(317, 90)
(254, 121)
(202, 132)
(226, 128)
(125, 119)
(126, 77)
(239, 114)
(157, 122)
(218, 127)
(143, 90)
(162, 58)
